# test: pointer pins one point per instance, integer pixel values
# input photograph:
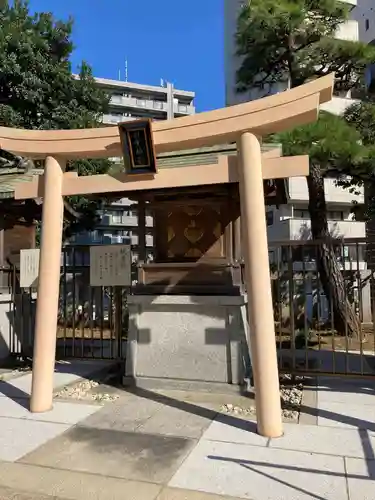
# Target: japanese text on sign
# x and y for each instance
(110, 265)
(29, 267)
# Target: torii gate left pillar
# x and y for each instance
(48, 287)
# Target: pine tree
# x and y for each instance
(290, 42)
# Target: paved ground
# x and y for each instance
(176, 446)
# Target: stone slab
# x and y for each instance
(73, 485)
(12, 494)
(187, 339)
(125, 414)
(361, 478)
(260, 473)
(177, 494)
(65, 374)
(230, 429)
(308, 413)
(127, 455)
(341, 391)
(346, 415)
(20, 436)
(176, 422)
(61, 413)
(323, 440)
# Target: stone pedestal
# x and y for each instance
(180, 340)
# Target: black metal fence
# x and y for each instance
(310, 334)
(93, 321)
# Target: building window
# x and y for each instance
(269, 218)
(116, 218)
(158, 104)
(301, 214)
(116, 98)
(367, 24)
(333, 215)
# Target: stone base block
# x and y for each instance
(187, 339)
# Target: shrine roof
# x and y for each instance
(202, 156)
(9, 178)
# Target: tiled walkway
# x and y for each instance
(21, 431)
(334, 459)
(146, 447)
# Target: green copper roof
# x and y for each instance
(187, 158)
(9, 179)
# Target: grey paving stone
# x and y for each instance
(11, 494)
(177, 494)
(125, 414)
(127, 455)
(331, 414)
(361, 478)
(325, 440)
(228, 428)
(65, 374)
(62, 412)
(19, 437)
(65, 484)
(174, 422)
(346, 392)
(260, 473)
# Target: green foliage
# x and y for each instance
(361, 115)
(330, 141)
(337, 146)
(293, 41)
(38, 90)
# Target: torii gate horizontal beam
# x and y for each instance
(225, 171)
(261, 117)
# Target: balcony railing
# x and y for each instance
(150, 104)
(334, 194)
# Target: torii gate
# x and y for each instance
(244, 124)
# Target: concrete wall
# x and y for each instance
(17, 317)
(365, 10)
(187, 338)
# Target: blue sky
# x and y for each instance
(178, 40)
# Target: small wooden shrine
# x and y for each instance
(197, 236)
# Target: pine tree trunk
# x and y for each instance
(332, 280)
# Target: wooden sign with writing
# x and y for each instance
(137, 147)
(110, 265)
(29, 267)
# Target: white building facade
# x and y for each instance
(129, 101)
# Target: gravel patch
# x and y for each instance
(83, 391)
(291, 390)
(16, 372)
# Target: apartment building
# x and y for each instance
(129, 101)
(291, 221)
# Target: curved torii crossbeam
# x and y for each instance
(261, 117)
(244, 124)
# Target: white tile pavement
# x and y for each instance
(261, 473)
(61, 413)
(361, 479)
(332, 460)
(19, 437)
(65, 374)
(21, 431)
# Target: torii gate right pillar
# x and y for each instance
(261, 321)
